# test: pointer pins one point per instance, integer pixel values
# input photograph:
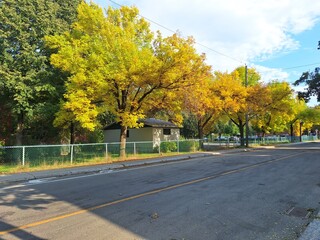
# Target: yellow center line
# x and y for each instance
(34, 224)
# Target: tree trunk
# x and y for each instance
(263, 132)
(19, 130)
(241, 130)
(291, 132)
(200, 132)
(123, 139)
(72, 133)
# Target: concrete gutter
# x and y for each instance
(312, 232)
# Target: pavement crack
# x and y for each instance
(34, 177)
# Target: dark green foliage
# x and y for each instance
(168, 147)
(226, 128)
(190, 127)
(29, 86)
(189, 146)
(312, 81)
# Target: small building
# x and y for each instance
(154, 130)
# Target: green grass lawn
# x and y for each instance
(10, 169)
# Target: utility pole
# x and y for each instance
(247, 124)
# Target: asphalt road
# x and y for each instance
(261, 194)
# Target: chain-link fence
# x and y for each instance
(103, 152)
(80, 153)
(231, 142)
(278, 139)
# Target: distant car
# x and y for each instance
(222, 138)
(234, 139)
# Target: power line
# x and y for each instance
(306, 65)
(170, 30)
(209, 48)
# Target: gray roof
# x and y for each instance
(152, 122)
(148, 122)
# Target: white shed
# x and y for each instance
(154, 130)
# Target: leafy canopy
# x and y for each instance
(312, 82)
(26, 76)
(117, 65)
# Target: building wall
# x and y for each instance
(142, 135)
(135, 135)
(159, 136)
(111, 135)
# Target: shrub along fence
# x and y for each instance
(79, 153)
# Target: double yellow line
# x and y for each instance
(53, 219)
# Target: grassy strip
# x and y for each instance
(9, 168)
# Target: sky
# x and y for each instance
(277, 37)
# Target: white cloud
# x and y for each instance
(270, 74)
(248, 30)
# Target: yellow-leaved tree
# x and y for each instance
(277, 111)
(117, 65)
(303, 117)
(202, 103)
(241, 99)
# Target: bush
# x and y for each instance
(189, 146)
(168, 147)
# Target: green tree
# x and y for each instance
(189, 126)
(312, 82)
(253, 77)
(28, 82)
(117, 65)
(224, 126)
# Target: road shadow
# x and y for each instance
(140, 204)
(18, 234)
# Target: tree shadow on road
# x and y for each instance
(19, 233)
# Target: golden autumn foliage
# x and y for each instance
(278, 108)
(201, 102)
(233, 96)
(117, 65)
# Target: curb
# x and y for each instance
(91, 169)
(82, 170)
(312, 232)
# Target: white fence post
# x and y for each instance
(71, 154)
(106, 151)
(23, 155)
